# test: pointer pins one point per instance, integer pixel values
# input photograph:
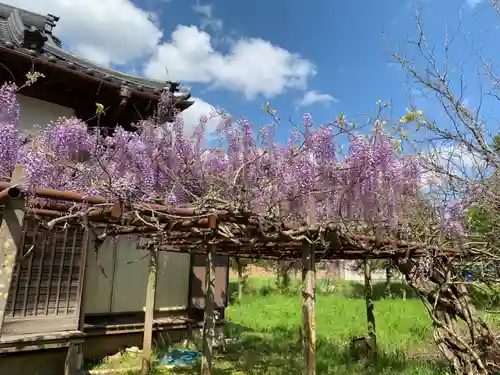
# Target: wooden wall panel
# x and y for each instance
(172, 288)
(121, 288)
(99, 278)
(131, 276)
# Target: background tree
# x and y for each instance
(461, 165)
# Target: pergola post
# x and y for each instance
(11, 232)
(209, 316)
(149, 313)
(309, 299)
(370, 310)
(308, 310)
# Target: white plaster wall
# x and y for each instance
(39, 112)
(351, 275)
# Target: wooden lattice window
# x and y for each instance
(47, 278)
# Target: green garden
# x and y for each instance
(267, 322)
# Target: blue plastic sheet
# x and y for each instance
(180, 357)
(468, 275)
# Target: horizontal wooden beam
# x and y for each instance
(245, 238)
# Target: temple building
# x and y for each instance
(71, 85)
(64, 304)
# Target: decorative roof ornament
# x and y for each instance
(172, 87)
(50, 23)
(34, 39)
(32, 34)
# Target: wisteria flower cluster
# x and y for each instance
(9, 134)
(245, 170)
(453, 217)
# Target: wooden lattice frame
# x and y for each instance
(220, 232)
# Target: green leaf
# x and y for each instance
(99, 109)
(411, 116)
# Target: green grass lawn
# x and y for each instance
(268, 324)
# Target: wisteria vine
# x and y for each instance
(247, 170)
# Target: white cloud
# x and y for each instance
(451, 164)
(313, 96)
(119, 32)
(456, 158)
(200, 108)
(473, 3)
(252, 66)
(208, 21)
(110, 31)
(430, 179)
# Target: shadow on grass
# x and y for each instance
(483, 297)
(341, 288)
(397, 290)
(278, 351)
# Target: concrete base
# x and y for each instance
(52, 361)
(99, 346)
(40, 362)
(96, 347)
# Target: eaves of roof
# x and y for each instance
(17, 25)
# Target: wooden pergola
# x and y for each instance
(207, 231)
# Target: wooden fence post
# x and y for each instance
(209, 316)
(149, 313)
(11, 232)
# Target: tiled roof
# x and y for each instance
(32, 33)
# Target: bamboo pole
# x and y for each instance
(209, 316)
(149, 313)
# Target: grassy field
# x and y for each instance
(271, 324)
(268, 324)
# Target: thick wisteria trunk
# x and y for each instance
(474, 351)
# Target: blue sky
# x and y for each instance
(239, 55)
(348, 42)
